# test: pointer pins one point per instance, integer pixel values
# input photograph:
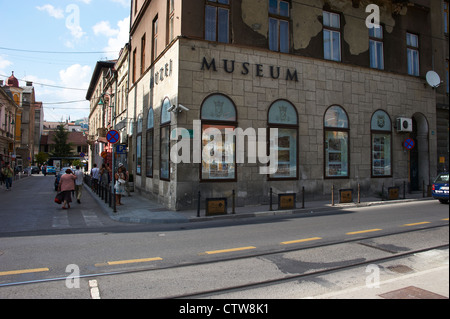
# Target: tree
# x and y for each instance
(41, 157)
(62, 148)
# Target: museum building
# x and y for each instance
(343, 97)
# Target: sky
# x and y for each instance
(56, 45)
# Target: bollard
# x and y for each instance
(382, 192)
(198, 204)
(233, 208)
(332, 195)
(359, 193)
(404, 190)
(303, 197)
(270, 199)
(423, 188)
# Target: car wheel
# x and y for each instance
(443, 201)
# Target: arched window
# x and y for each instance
(150, 134)
(218, 113)
(283, 116)
(381, 132)
(139, 146)
(336, 139)
(165, 140)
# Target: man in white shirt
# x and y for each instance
(78, 183)
(95, 175)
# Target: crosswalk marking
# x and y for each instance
(86, 217)
(90, 218)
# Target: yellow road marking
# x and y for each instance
(131, 261)
(363, 231)
(445, 219)
(228, 250)
(300, 241)
(24, 271)
(415, 224)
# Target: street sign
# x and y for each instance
(113, 136)
(121, 149)
(409, 143)
(82, 154)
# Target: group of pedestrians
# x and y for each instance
(103, 176)
(69, 182)
(6, 175)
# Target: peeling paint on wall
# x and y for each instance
(255, 15)
(306, 20)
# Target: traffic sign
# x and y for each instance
(121, 149)
(409, 144)
(82, 154)
(113, 136)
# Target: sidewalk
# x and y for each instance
(140, 210)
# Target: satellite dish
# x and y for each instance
(433, 79)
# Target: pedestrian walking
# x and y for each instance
(8, 174)
(95, 177)
(67, 186)
(44, 170)
(78, 183)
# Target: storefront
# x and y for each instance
(336, 125)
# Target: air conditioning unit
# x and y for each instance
(404, 124)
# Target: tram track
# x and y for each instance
(202, 262)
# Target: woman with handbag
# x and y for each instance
(66, 186)
(119, 186)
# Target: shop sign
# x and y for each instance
(260, 70)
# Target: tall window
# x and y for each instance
(446, 17)
(149, 151)
(171, 19)
(133, 72)
(155, 39)
(218, 157)
(279, 26)
(332, 36)
(412, 44)
(139, 146)
(283, 116)
(336, 130)
(381, 131)
(376, 48)
(143, 54)
(217, 21)
(165, 141)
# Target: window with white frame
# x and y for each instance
(217, 21)
(412, 44)
(331, 36)
(279, 26)
(376, 48)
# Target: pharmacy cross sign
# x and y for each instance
(113, 136)
(409, 143)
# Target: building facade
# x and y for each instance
(343, 97)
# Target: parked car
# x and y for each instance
(51, 170)
(58, 176)
(31, 170)
(440, 188)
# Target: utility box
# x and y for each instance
(345, 196)
(393, 193)
(216, 206)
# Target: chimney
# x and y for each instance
(29, 83)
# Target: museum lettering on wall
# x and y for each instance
(245, 68)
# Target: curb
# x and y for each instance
(161, 216)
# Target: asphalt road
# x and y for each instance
(38, 241)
